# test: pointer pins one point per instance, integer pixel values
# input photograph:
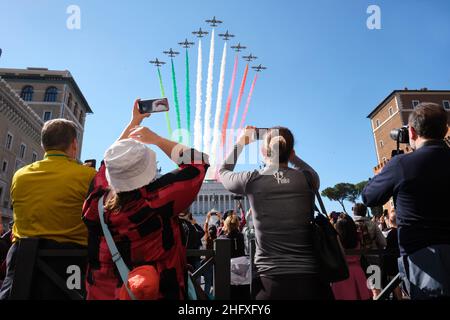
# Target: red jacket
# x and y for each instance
(146, 232)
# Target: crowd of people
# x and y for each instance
(137, 227)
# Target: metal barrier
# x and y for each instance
(220, 257)
(29, 259)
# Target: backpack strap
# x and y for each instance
(308, 177)
(115, 254)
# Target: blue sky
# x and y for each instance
(326, 70)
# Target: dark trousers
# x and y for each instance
(426, 272)
(42, 288)
(293, 287)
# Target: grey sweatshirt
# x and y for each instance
(281, 201)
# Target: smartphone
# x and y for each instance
(153, 105)
(260, 133)
(91, 163)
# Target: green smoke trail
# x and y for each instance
(163, 94)
(188, 99)
(177, 104)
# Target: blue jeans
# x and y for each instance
(426, 272)
(209, 275)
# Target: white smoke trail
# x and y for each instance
(216, 132)
(198, 102)
(208, 103)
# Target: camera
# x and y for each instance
(237, 197)
(400, 135)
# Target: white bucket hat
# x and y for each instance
(130, 165)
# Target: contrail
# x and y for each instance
(247, 104)
(177, 104)
(208, 103)
(163, 94)
(198, 102)
(188, 100)
(238, 103)
(219, 104)
(228, 105)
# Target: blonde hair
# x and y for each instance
(231, 224)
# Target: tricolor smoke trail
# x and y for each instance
(208, 103)
(228, 105)
(238, 103)
(247, 104)
(219, 104)
(163, 95)
(198, 101)
(188, 100)
(177, 104)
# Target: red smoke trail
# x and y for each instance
(228, 106)
(238, 103)
(249, 98)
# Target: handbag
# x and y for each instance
(142, 283)
(327, 246)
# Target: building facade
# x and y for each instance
(20, 143)
(50, 94)
(213, 195)
(393, 113)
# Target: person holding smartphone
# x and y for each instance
(282, 207)
(141, 211)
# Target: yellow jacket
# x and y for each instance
(47, 199)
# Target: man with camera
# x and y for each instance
(419, 182)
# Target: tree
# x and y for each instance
(339, 193)
(356, 191)
(344, 191)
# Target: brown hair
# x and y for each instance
(360, 210)
(429, 120)
(58, 134)
(279, 143)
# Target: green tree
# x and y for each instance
(340, 192)
(356, 191)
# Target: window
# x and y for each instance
(69, 101)
(50, 94)
(446, 104)
(4, 166)
(19, 164)
(1, 195)
(81, 117)
(381, 143)
(377, 123)
(415, 103)
(47, 115)
(9, 140)
(75, 110)
(23, 149)
(27, 93)
(391, 112)
(34, 157)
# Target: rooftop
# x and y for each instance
(404, 91)
(39, 73)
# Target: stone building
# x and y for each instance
(20, 142)
(51, 94)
